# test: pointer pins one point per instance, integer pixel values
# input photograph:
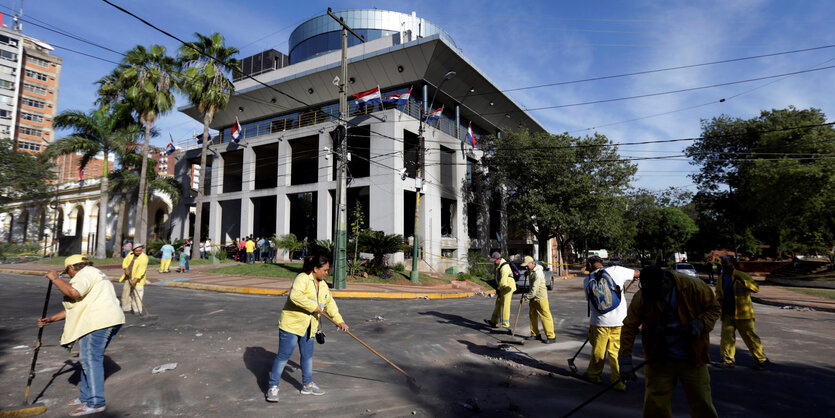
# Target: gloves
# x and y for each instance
(627, 373)
(695, 328)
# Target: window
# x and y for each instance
(8, 41)
(5, 114)
(34, 89)
(28, 102)
(36, 75)
(5, 99)
(8, 55)
(7, 70)
(38, 61)
(30, 131)
(6, 84)
(28, 146)
(31, 116)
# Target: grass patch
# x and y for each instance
(826, 293)
(487, 283)
(59, 261)
(200, 262)
(281, 270)
(401, 278)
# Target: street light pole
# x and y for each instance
(414, 275)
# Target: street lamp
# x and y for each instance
(415, 275)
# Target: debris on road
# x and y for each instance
(798, 308)
(199, 334)
(378, 318)
(20, 346)
(164, 367)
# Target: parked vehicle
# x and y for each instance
(687, 269)
(523, 282)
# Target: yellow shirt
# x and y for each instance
(97, 308)
(538, 289)
(138, 270)
(250, 246)
(504, 276)
(297, 315)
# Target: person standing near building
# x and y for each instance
(299, 322)
(539, 307)
(202, 248)
(207, 247)
(675, 314)
(127, 248)
(167, 255)
(93, 318)
(503, 274)
(733, 290)
(187, 251)
(250, 250)
(135, 266)
(605, 322)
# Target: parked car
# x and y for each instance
(523, 282)
(615, 262)
(686, 268)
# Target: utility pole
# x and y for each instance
(414, 275)
(340, 137)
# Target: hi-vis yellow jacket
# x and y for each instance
(743, 285)
(138, 269)
(298, 316)
(504, 277)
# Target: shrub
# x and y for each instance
(399, 267)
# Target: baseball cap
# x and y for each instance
(528, 260)
(74, 259)
(496, 255)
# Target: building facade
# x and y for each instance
(281, 178)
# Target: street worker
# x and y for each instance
(299, 323)
(503, 274)
(165, 259)
(93, 318)
(676, 314)
(606, 306)
(539, 308)
(733, 290)
(133, 292)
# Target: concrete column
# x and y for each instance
(284, 165)
(217, 175)
(385, 198)
(215, 217)
(457, 122)
(248, 174)
(247, 224)
(88, 225)
(431, 200)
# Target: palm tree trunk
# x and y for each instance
(141, 223)
(101, 233)
(198, 203)
(120, 224)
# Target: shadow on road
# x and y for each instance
(259, 362)
(447, 318)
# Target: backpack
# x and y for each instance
(602, 292)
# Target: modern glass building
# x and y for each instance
(322, 34)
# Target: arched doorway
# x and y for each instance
(24, 223)
(71, 244)
(159, 230)
(11, 228)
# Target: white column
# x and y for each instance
(248, 174)
(247, 217)
(430, 217)
(217, 174)
(282, 204)
(215, 218)
(88, 225)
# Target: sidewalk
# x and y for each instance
(198, 279)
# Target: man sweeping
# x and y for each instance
(539, 307)
(504, 292)
(134, 265)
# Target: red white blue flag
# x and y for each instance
(470, 136)
(399, 99)
(236, 130)
(368, 97)
(435, 114)
(170, 148)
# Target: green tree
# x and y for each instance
(561, 186)
(22, 175)
(101, 131)
(204, 65)
(287, 242)
(146, 81)
(769, 178)
(379, 244)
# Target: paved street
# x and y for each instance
(224, 345)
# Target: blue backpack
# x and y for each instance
(602, 292)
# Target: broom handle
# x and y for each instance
(37, 345)
(369, 347)
(518, 311)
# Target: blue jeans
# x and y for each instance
(250, 258)
(92, 348)
(286, 345)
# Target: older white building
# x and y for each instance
(281, 177)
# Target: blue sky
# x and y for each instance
(520, 44)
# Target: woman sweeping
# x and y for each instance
(299, 321)
(93, 316)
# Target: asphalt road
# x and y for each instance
(224, 345)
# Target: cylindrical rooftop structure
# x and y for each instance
(321, 34)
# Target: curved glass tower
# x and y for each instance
(321, 34)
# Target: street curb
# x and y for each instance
(227, 289)
(27, 272)
(779, 304)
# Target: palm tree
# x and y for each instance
(105, 130)
(126, 182)
(204, 64)
(146, 81)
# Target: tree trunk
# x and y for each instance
(503, 218)
(120, 224)
(141, 223)
(198, 215)
(101, 233)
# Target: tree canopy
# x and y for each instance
(22, 175)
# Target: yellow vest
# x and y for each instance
(538, 290)
(97, 308)
(297, 316)
(138, 270)
(505, 276)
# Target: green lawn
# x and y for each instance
(59, 261)
(826, 293)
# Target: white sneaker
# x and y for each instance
(272, 394)
(85, 410)
(312, 389)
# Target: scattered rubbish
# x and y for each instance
(214, 312)
(183, 375)
(199, 334)
(414, 412)
(379, 318)
(164, 367)
(798, 308)
(229, 339)
(20, 346)
(424, 297)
